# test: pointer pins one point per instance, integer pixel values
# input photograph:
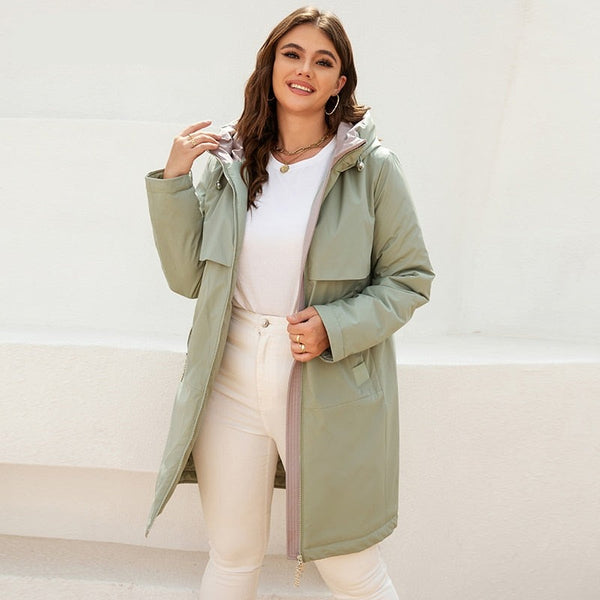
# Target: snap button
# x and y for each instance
(219, 184)
(265, 323)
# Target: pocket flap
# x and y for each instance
(218, 248)
(361, 373)
(338, 268)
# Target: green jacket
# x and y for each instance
(366, 270)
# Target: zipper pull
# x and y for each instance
(299, 569)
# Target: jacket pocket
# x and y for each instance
(332, 274)
(327, 282)
(328, 269)
(332, 384)
(344, 473)
(342, 243)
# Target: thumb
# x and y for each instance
(301, 316)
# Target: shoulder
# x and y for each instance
(212, 164)
(211, 172)
(384, 167)
(391, 193)
(383, 157)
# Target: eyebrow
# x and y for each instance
(292, 45)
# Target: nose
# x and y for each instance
(304, 68)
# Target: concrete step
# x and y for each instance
(58, 569)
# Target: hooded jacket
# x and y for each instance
(365, 271)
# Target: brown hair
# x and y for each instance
(257, 126)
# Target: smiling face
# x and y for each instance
(306, 71)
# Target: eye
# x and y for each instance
(291, 54)
(325, 63)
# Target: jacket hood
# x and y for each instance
(348, 137)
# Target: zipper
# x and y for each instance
(299, 569)
(293, 475)
(337, 160)
(292, 480)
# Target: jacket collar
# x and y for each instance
(349, 137)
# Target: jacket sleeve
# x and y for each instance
(401, 273)
(176, 213)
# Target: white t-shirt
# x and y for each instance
(269, 271)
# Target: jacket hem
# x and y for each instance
(350, 546)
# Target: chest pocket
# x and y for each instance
(342, 244)
(348, 266)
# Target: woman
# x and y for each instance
(303, 250)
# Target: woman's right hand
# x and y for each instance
(187, 147)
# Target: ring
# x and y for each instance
(302, 348)
(297, 338)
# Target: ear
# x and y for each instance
(341, 83)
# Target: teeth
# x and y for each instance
(300, 87)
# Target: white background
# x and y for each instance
(494, 111)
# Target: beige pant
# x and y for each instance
(243, 428)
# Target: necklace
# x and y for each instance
(285, 167)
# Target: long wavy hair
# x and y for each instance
(257, 126)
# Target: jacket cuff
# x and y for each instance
(335, 351)
(156, 183)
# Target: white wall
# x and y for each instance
(494, 111)
(532, 250)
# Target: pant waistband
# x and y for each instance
(272, 323)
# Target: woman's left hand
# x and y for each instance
(308, 337)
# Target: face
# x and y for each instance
(306, 71)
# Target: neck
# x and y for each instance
(296, 131)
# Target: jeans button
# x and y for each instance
(265, 323)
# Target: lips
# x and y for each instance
(301, 87)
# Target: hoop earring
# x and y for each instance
(336, 105)
(270, 99)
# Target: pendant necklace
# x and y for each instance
(285, 167)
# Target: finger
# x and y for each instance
(294, 329)
(195, 127)
(200, 148)
(306, 313)
(297, 347)
(203, 138)
(303, 315)
(305, 327)
(306, 336)
(302, 356)
(296, 337)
